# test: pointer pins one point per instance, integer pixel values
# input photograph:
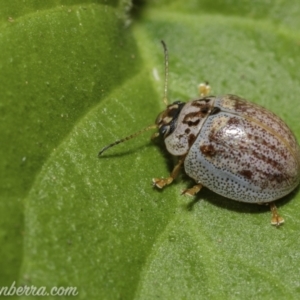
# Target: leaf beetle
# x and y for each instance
(233, 147)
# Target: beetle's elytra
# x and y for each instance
(233, 147)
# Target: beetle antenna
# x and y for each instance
(166, 72)
(127, 138)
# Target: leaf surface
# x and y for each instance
(97, 223)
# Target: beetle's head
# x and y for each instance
(166, 121)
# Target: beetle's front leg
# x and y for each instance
(161, 182)
(192, 191)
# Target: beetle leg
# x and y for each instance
(276, 218)
(204, 89)
(192, 191)
(154, 135)
(161, 182)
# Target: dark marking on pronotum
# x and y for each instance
(187, 131)
(192, 119)
(204, 109)
(201, 102)
(193, 123)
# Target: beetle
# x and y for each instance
(234, 147)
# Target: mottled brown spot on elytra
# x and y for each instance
(263, 157)
(240, 104)
(208, 150)
(272, 147)
(213, 136)
(191, 139)
(274, 179)
(234, 121)
(279, 177)
(246, 173)
(187, 131)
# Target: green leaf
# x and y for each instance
(56, 63)
(82, 80)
